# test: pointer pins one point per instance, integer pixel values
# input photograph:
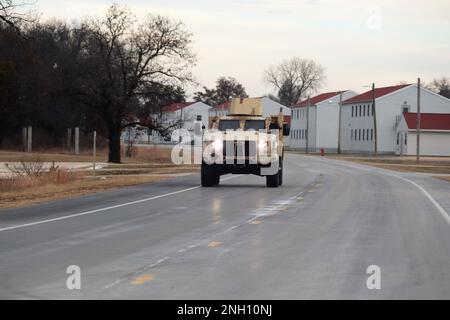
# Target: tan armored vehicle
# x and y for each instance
(244, 142)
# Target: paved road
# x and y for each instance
(313, 238)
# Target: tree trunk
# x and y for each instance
(114, 144)
(1, 137)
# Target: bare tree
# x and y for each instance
(123, 57)
(295, 78)
(11, 13)
(441, 86)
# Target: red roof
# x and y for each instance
(317, 99)
(379, 92)
(176, 106)
(222, 106)
(428, 121)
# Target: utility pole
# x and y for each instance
(339, 126)
(307, 125)
(418, 123)
(94, 149)
(374, 111)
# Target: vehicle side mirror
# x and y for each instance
(286, 129)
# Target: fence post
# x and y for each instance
(24, 139)
(30, 139)
(94, 151)
(77, 140)
(69, 139)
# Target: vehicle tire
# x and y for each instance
(216, 179)
(207, 175)
(272, 181)
(280, 173)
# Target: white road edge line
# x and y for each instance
(441, 210)
(104, 209)
(428, 195)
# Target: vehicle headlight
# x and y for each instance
(218, 144)
(262, 144)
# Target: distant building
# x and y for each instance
(323, 124)
(357, 122)
(357, 127)
(185, 113)
(220, 111)
(434, 134)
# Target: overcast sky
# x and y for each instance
(357, 42)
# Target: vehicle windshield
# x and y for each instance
(228, 125)
(255, 125)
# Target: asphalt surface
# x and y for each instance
(313, 238)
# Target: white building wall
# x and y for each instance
(271, 108)
(432, 143)
(357, 134)
(218, 113)
(327, 123)
(298, 128)
(388, 112)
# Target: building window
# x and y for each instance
(406, 139)
(398, 138)
(353, 110)
(359, 134)
(405, 108)
(351, 134)
(371, 134)
(363, 135)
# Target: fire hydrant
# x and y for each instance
(322, 152)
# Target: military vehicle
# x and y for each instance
(244, 142)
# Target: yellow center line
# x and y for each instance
(143, 279)
(256, 222)
(214, 244)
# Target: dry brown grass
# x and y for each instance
(14, 183)
(142, 155)
(149, 164)
(50, 192)
(446, 178)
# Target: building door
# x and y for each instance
(402, 145)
